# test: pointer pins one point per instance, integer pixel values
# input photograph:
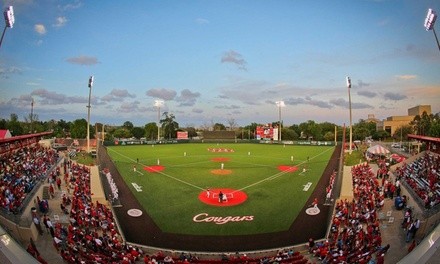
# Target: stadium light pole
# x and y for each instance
(158, 104)
(32, 115)
(429, 23)
(349, 106)
(91, 79)
(279, 104)
(9, 19)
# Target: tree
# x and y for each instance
(363, 129)
(422, 124)
(232, 124)
(151, 130)
(3, 123)
(434, 130)
(78, 129)
(138, 132)
(402, 132)
(381, 135)
(329, 136)
(128, 125)
(14, 125)
(122, 132)
(289, 134)
(169, 126)
(310, 130)
(29, 123)
(191, 132)
(219, 127)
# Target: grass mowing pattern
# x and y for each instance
(171, 197)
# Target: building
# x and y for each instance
(393, 123)
(372, 119)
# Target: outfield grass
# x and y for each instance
(171, 197)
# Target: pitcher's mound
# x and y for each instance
(231, 197)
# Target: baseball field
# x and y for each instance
(221, 190)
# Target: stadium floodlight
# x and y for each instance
(429, 23)
(348, 81)
(158, 104)
(9, 20)
(91, 79)
(279, 104)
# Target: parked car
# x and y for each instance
(395, 145)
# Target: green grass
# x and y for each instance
(171, 197)
(84, 158)
(354, 158)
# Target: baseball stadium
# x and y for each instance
(304, 189)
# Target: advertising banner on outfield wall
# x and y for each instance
(182, 135)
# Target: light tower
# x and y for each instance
(9, 19)
(429, 23)
(349, 106)
(91, 79)
(279, 104)
(158, 104)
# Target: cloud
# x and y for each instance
(54, 98)
(227, 107)
(202, 21)
(5, 72)
(368, 94)
(187, 98)
(75, 5)
(197, 110)
(248, 92)
(117, 95)
(307, 101)
(60, 22)
(129, 107)
(234, 58)
(343, 103)
(361, 84)
(406, 77)
(83, 60)
(394, 96)
(40, 29)
(162, 93)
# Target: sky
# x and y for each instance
(214, 61)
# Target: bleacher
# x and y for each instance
(422, 175)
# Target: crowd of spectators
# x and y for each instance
(355, 235)
(20, 171)
(423, 176)
(91, 236)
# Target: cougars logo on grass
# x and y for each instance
(220, 220)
